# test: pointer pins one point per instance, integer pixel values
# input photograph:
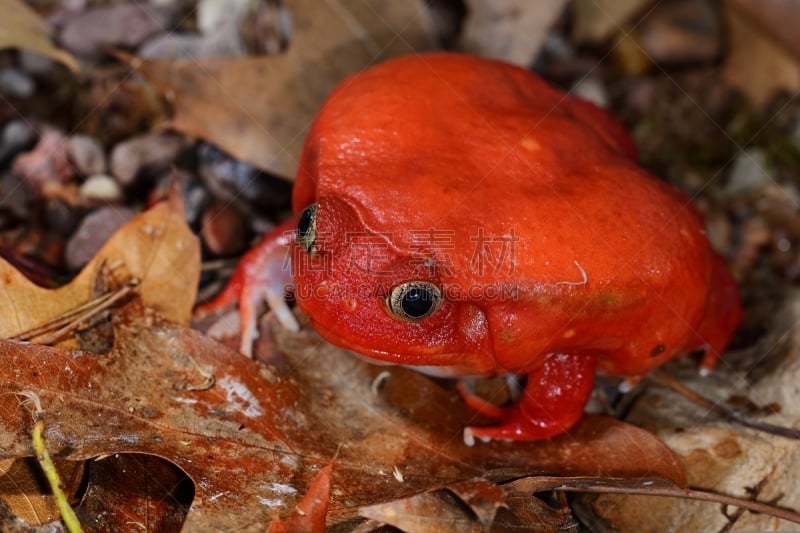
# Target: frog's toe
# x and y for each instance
(629, 383)
(476, 403)
(516, 424)
(508, 430)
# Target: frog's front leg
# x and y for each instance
(552, 402)
(262, 275)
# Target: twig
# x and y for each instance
(645, 487)
(695, 494)
(72, 319)
(731, 414)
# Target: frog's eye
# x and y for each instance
(307, 229)
(414, 300)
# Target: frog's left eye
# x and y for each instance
(307, 229)
(414, 300)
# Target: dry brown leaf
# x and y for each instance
(597, 20)
(21, 27)
(146, 493)
(758, 63)
(778, 18)
(484, 498)
(150, 395)
(529, 513)
(156, 247)
(24, 489)
(259, 108)
(467, 506)
(430, 512)
(511, 30)
(312, 510)
(261, 434)
(720, 456)
(421, 434)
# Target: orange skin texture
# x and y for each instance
(557, 255)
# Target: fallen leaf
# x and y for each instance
(596, 20)
(139, 490)
(21, 27)
(527, 512)
(259, 109)
(430, 512)
(758, 63)
(467, 506)
(313, 508)
(421, 434)
(150, 395)
(722, 456)
(156, 247)
(254, 441)
(773, 16)
(511, 30)
(24, 489)
(484, 498)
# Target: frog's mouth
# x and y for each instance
(428, 360)
(445, 371)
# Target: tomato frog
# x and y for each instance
(461, 215)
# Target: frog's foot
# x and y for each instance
(552, 402)
(262, 275)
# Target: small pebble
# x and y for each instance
(125, 24)
(750, 171)
(61, 216)
(719, 231)
(16, 136)
(16, 83)
(593, 90)
(195, 196)
(74, 5)
(95, 229)
(174, 5)
(142, 155)
(87, 155)
(13, 195)
(35, 64)
(225, 42)
(101, 188)
(213, 14)
(224, 229)
(239, 181)
(47, 162)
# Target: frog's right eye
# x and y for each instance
(414, 300)
(307, 229)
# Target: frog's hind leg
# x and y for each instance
(552, 402)
(723, 315)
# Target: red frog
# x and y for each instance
(461, 215)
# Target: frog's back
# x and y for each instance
(506, 159)
(515, 188)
